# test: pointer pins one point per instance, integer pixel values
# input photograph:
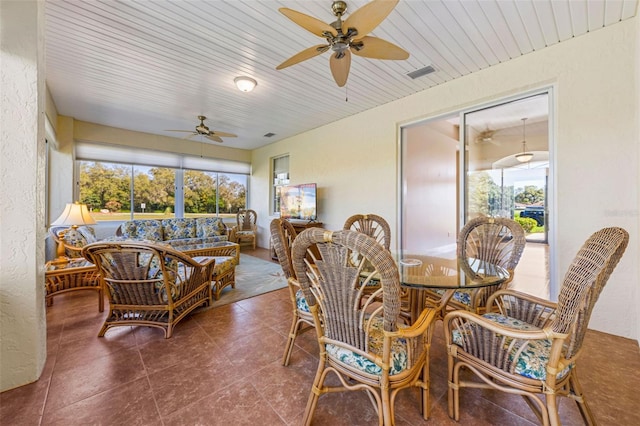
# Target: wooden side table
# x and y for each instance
(78, 274)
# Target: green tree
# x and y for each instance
(199, 192)
(142, 187)
(104, 182)
(162, 190)
(233, 195)
(531, 194)
(488, 198)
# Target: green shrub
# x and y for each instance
(527, 223)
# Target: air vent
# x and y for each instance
(422, 71)
(268, 135)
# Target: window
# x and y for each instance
(208, 193)
(116, 191)
(280, 167)
(153, 192)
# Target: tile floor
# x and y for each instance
(223, 367)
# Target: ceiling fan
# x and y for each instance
(346, 37)
(203, 130)
(487, 136)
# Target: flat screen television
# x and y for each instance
(299, 202)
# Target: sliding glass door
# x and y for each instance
(491, 161)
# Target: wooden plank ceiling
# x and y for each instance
(154, 65)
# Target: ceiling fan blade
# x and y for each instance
(190, 136)
(214, 138)
(307, 22)
(340, 67)
(369, 16)
(223, 134)
(182, 131)
(377, 48)
(304, 55)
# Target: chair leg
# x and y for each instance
(552, 409)
(575, 392)
(453, 396)
(293, 333)
(424, 391)
(387, 410)
(315, 391)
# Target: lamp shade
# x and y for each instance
(74, 214)
(245, 84)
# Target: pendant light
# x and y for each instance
(524, 156)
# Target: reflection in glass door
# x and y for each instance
(507, 162)
(506, 174)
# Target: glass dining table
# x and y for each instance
(432, 281)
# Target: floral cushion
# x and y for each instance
(301, 302)
(210, 227)
(532, 362)
(245, 233)
(398, 352)
(463, 296)
(79, 238)
(223, 264)
(176, 228)
(143, 230)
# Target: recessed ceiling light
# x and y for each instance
(245, 84)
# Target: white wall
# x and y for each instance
(430, 196)
(354, 161)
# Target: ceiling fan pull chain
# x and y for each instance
(346, 93)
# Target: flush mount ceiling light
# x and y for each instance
(524, 156)
(245, 84)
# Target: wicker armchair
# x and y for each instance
(498, 241)
(282, 236)
(73, 239)
(362, 340)
(150, 284)
(246, 229)
(530, 346)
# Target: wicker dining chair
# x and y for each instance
(245, 229)
(150, 284)
(529, 346)
(372, 225)
(496, 241)
(362, 340)
(282, 235)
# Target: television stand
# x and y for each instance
(299, 226)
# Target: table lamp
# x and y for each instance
(74, 215)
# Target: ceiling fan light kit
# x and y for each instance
(245, 84)
(524, 156)
(346, 37)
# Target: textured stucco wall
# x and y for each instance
(22, 310)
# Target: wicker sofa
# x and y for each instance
(175, 231)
